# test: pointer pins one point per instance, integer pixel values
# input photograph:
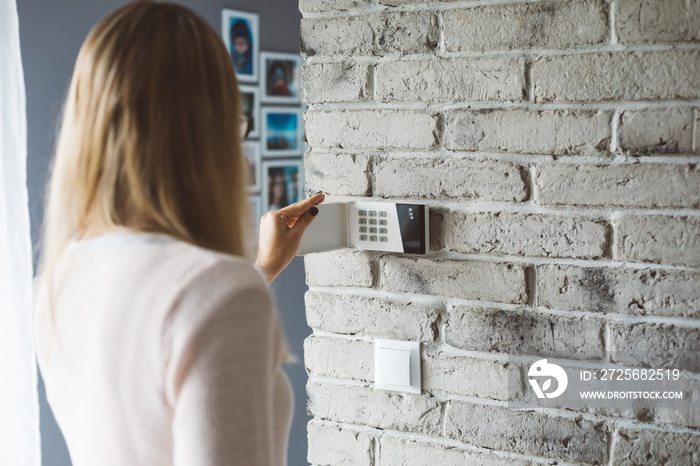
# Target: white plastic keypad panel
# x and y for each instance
(374, 226)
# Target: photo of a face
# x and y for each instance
(250, 106)
(240, 33)
(282, 131)
(282, 184)
(280, 80)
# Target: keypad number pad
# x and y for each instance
(370, 218)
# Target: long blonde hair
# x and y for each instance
(150, 138)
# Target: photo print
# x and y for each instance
(282, 131)
(239, 30)
(280, 82)
(250, 105)
(283, 183)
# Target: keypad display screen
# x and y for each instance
(411, 223)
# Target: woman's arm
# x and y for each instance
(280, 235)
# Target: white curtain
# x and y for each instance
(19, 408)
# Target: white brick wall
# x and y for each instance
(557, 143)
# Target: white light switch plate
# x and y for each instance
(397, 366)
(373, 226)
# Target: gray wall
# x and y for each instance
(51, 33)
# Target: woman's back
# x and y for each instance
(153, 357)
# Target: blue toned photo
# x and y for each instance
(282, 131)
(239, 31)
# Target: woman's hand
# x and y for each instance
(280, 235)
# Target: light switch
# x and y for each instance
(397, 366)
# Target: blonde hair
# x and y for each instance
(150, 135)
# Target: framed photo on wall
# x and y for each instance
(240, 31)
(250, 103)
(251, 151)
(282, 131)
(283, 183)
(280, 77)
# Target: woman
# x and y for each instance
(158, 343)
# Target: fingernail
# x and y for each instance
(320, 192)
(313, 211)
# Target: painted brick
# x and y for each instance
(455, 374)
(363, 57)
(332, 444)
(617, 76)
(643, 447)
(653, 345)
(624, 185)
(451, 80)
(326, 5)
(665, 131)
(446, 177)
(657, 21)
(334, 82)
(402, 2)
(394, 451)
(346, 36)
(337, 174)
(371, 129)
(546, 24)
(524, 332)
(374, 34)
(534, 433)
(376, 408)
(659, 239)
(486, 281)
(338, 268)
(335, 357)
(619, 290)
(557, 132)
(525, 234)
(397, 319)
(437, 229)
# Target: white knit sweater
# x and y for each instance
(163, 353)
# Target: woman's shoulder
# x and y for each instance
(180, 276)
(219, 286)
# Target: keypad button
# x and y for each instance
(363, 237)
(363, 221)
(382, 222)
(372, 230)
(382, 231)
(382, 213)
(363, 229)
(373, 238)
(362, 212)
(372, 221)
(372, 213)
(383, 239)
